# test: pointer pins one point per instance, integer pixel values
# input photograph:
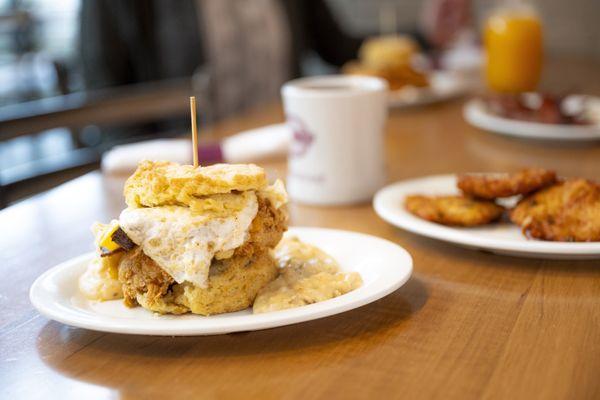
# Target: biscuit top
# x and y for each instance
(159, 183)
(388, 51)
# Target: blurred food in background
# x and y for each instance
(390, 58)
(545, 108)
(394, 51)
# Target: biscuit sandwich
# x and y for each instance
(192, 239)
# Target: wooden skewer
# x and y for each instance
(194, 131)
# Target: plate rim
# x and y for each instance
(306, 313)
(475, 114)
(406, 221)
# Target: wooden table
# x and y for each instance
(467, 325)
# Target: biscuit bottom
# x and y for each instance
(232, 286)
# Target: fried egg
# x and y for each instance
(183, 241)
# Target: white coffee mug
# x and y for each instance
(336, 154)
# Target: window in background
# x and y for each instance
(38, 59)
(37, 49)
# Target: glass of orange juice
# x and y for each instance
(513, 42)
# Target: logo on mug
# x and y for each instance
(302, 138)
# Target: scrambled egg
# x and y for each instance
(307, 275)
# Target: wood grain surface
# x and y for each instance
(468, 324)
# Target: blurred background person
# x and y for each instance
(246, 49)
(441, 21)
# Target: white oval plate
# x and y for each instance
(383, 266)
(443, 86)
(476, 114)
(501, 238)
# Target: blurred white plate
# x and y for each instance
(501, 238)
(383, 266)
(477, 114)
(443, 86)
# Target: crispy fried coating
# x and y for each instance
(138, 273)
(454, 210)
(492, 186)
(567, 212)
(232, 284)
(268, 226)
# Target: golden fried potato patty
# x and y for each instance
(453, 210)
(232, 285)
(492, 186)
(567, 211)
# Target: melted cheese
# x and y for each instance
(182, 241)
(308, 275)
(100, 279)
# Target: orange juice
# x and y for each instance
(513, 43)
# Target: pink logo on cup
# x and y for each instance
(302, 138)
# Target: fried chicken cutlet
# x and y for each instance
(454, 210)
(492, 186)
(568, 211)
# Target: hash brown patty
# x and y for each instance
(492, 186)
(453, 210)
(568, 211)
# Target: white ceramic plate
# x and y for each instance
(383, 266)
(476, 113)
(501, 238)
(443, 86)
